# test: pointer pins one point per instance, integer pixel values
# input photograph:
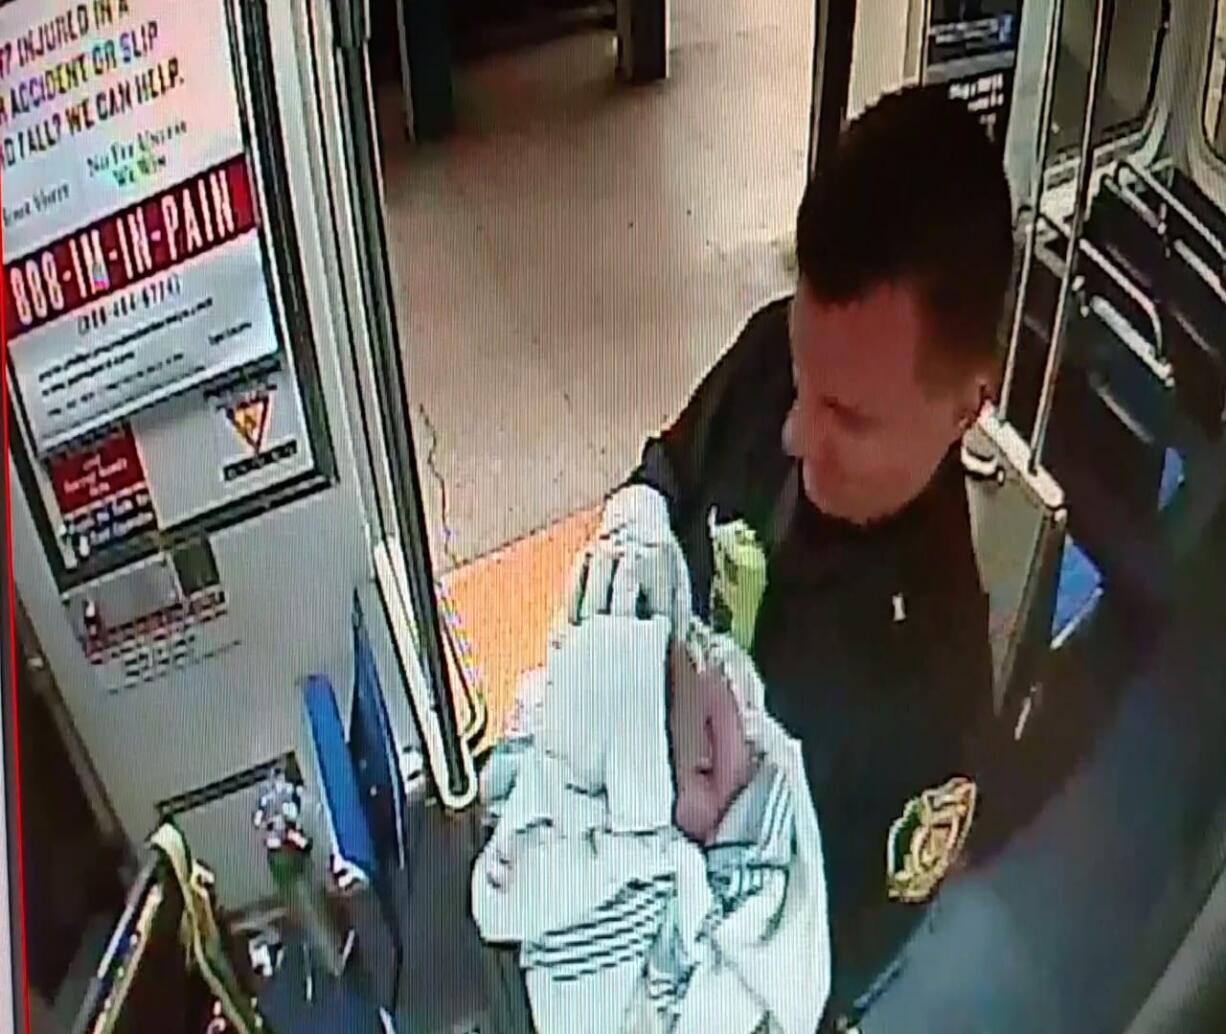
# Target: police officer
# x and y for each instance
(832, 428)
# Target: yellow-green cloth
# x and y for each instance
(738, 581)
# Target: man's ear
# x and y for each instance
(977, 393)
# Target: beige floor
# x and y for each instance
(578, 254)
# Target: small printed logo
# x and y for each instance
(250, 419)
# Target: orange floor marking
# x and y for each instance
(502, 606)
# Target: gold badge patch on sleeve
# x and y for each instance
(925, 840)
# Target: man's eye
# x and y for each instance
(852, 421)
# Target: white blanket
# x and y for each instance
(624, 924)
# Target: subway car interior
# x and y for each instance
(272, 823)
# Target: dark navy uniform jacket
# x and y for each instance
(884, 708)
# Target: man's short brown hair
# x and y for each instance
(915, 193)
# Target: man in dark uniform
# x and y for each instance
(832, 428)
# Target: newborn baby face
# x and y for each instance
(712, 762)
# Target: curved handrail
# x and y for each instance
(1129, 198)
(1168, 197)
(1117, 276)
(1142, 300)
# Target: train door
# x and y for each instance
(865, 50)
(217, 522)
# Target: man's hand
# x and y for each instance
(634, 567)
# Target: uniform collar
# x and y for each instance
(925, 512)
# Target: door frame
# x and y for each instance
(14, 986)
(403, 529)
(834, 29)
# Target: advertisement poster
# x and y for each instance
(988, 96)
(973, 49)
(240, 435)
(132, 253)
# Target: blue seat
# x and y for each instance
(372, 748)
(1080, 586)
(1109, 461)
(351, 784)
(1077, 596)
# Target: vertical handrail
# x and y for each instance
(1055, 18)
(14, 964)
(1098, 62)
(834, 32)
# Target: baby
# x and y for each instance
(711, 756)
(710, 750)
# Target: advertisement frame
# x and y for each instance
(251, 65)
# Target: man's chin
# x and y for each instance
(840, 510)
(827, 503)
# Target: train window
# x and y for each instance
(1137, 33)
(1215, 111)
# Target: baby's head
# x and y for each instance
(712, 756)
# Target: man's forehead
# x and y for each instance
(864, 351)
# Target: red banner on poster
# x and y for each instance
(124, 248)
(97, 473)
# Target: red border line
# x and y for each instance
(18, 941)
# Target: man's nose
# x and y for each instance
(803, 437)
(792, 437)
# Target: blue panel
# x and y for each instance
(1172, 478)
(337, 778)
(373, 749)
(1079, 589)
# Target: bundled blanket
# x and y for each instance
(625, 923)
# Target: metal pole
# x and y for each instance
(833, 42)
(642, 40)
(1055, 18)
(1098, 62)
